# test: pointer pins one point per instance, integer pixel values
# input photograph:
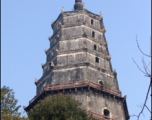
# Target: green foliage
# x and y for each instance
(9, 110)
(107, 85)
(58, 107)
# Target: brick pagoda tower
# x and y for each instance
(78, 63)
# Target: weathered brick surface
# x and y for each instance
(72, 57)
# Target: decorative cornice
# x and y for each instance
(80, 37)
(108, 57)
(62, 10)
(85, 64)
(36, 80)
(56, 34)
(45, 75)
(84, 24)
(45, 51)
(77, 84)
(96, 53)
(85, 11)
(49, 38)
(42, 65)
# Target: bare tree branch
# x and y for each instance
(139, 67)
(145, 100)
(140, 49)
(148, 109)
(141, 112)
(147, 73)
(133, 116)
(145, 67)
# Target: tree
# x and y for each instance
(147, 72)
(9, 109)
(58, 107)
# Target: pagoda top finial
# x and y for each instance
(78, 1)
(78, 5)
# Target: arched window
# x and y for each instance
(106, 113)
(95, 47)
(91, 21)
(97, 59)
(93, 34)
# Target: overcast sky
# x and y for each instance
(26, 24)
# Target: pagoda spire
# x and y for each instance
(78, 5)
(78, 1)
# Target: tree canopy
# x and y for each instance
(9, 108)
(55, 107)
(58, 107)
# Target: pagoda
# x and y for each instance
(78, 63)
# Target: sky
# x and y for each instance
(26, 25)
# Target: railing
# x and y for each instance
(103, 88)
(98, 116)
(76, 84)
(36, 96)
(81, 84)
(66, 85)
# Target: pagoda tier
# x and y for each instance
(78, 51)
(88, 91)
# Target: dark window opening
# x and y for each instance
(49, 67)
(93, 34)
(100, 82)
(97, 59)
(106, 112)
(91, 21)
(95, 47)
